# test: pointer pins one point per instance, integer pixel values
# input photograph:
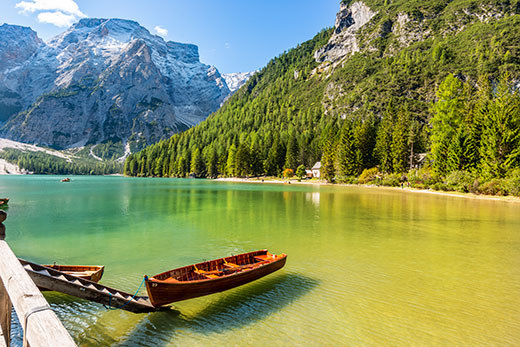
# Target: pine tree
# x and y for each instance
(400, 140)
(293, 152)
(348, 156)
(212, 162)
(500, 149)
(382, 149)
(231, 159)
(365, 131)
(271, 167)
(448, 111)
(456, 155)
(255, 158)
(328, 157)
(242, 161)
(197, 166)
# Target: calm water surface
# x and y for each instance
(365, 266)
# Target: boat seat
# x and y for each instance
(212, 276)
(265, 257)
(230, 265)
(78, 274)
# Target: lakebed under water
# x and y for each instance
(365, 266)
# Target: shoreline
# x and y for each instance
(513, 199)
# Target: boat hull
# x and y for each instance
(88, 272)
(163, 292)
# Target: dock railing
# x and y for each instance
(41, 326)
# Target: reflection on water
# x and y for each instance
(365, 266)
(313, 197)
(232, 311)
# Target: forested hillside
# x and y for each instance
(420, 79)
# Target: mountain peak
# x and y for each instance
(94, 22)
(17, 44)
(119, 80)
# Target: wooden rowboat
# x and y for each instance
(66, 180)
(4, 201)
(88, 272)
(211, 276)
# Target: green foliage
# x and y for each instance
(500, 150)
(447, 117)
(369, 175)
(349, 154)
(47, 164)
(300, 171)
(461, 181)
(293, 152)
(399, 148)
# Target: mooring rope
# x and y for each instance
(120, 307)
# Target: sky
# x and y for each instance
(233, 35)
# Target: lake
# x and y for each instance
(365, 266)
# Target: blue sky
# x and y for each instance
(233, 35)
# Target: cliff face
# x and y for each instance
(418, 44)
(343, 41)
(103, 79)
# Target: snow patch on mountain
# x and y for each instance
(237, 79)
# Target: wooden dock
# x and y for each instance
(41, 326)
(51, 279)
(19, 282)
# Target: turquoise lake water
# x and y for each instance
(365, 266)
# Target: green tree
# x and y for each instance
(447, 116)
(212, 162)
(198, 167)
(399, 148)
(328, 157)
(500, 149)
(349, 156)
(382, 149)
(243, 161)
(256, 158)
(300, 171)
(293, 152)
(231, 161)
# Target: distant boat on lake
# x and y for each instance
(211, 276)
(66, 180)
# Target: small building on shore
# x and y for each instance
(316, 170)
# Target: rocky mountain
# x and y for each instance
(237, 79)
(101, 80)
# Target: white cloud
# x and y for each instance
(61, 13)
(160, 31)
(66, 6)
(58, 18)
(227, 45)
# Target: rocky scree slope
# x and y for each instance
(102, 80)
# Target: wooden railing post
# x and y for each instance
(5, 315)
(40, 324)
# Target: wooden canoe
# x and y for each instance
(211, 276)
(88, 272)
